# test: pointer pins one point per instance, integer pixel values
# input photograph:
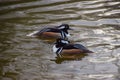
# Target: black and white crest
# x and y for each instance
(63, 26)
(57, 48)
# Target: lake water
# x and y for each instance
(96, 25)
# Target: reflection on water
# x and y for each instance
(59, 60)
(96, 25)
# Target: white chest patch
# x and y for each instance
(55, 49)
(65, 34)
(68, 35)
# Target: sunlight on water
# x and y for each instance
(101, 76)
(96, 25)
(99, 31)
(102, 59)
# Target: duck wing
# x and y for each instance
(48, 30)
(77, 46)
(69, 46)
(83, 48)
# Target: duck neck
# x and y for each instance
(64, 34)
(65, 30)
(57, 50)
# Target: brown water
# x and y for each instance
(96, 25)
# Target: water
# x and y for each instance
(96, 25)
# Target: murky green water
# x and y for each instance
(96, 24)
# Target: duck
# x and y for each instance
(63, 48)
(60, 31)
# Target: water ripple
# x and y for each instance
(96, 25)
(102, 59)
(101, 76)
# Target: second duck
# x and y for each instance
(64, 47)
(53, 32)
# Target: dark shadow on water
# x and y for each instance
(59, 60)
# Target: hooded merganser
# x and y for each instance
(55, 32)
(63, 47)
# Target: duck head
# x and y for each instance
(64, 27)
(61, 42)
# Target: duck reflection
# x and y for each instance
(63, 58)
